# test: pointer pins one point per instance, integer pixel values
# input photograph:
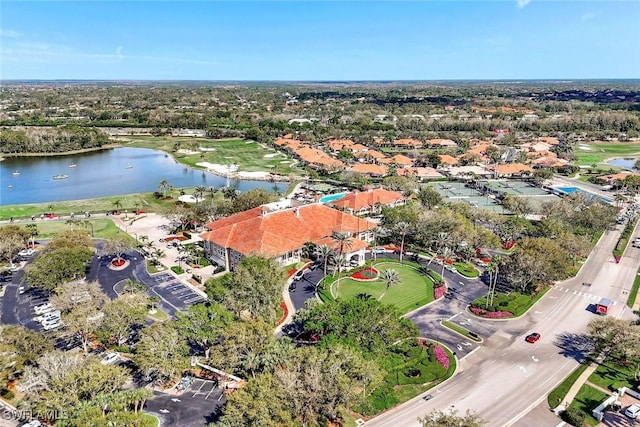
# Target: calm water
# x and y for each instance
(103, 173)
(623, 163)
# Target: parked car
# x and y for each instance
(52, 315)
(110, 358)
(633, 411)
(532, 338)
(48, 325)
(379, 250)
(21, 290)
(299, 275)
(428, 397)
(43, 308)
(27, 252)
(292, 286)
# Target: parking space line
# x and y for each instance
(192, 300)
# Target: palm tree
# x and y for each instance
(163, 187)
(33, 230)
(324, 252)
(493, 268)
(200, 190)
(446, 252)
(157, 254)
(137, 205)
(117, 204)
(344, 241)
(403, 228)
(390, 277)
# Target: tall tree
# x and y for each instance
(203, 325)
(122, 314)
(117, 246)
(391, 278)
(162, 352)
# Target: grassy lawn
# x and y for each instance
(586, 400)
(515, 302)
(150, 420)
(102, 228)
(634, 291)
(459, 329)
(611, 376)
(248, 155)
(158, 316)
(604, 150)
(558, 394)
(414, 290)
(466, 269)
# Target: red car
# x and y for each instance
(533, 337)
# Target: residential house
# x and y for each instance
(510, 169)
(419, 173)
(374, 171)
(398, 159)
(447, 160)
(283, 233)
(369, 201)
(318, 159)
(441, 143)
(408, 143)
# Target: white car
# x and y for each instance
(48, 325)
(26, 252)
(633, 411)
(379, 250)
(43, 308)
(52, 315)
(110, 358)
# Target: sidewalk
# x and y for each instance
(573, 391)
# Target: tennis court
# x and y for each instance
(514, 188)
(456, 192)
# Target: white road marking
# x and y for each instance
(535, 359)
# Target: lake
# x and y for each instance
(623, 163)
(103, 173)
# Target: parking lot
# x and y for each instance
(206, 389)
(174, 292)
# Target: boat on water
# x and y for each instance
(129, 167)
(72, 165)
(16, 173)
(61, 176)
(9, 186)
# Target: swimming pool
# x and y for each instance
(571, 190)
(332, 197)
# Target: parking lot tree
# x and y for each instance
(261, 403)
(122, 314)
(451, 419)
(8, 362)
(162, 352)
(70, 239)
(242, 347)
(304, 376)
(61, 383)
(203, 324)
(117, 246)
(12, 239)
(520, 206)
(28, 344)
(254, 288)
(55, 267)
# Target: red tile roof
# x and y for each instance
(276, 233)
(366, 199)
(447, 159)
(369, 169)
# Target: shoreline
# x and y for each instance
(4, 156)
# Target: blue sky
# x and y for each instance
(325, 40)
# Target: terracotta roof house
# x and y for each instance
(373, 154)
(536, 146)
(510, 169)
(369, 201)
(282, 234)
(446, 159)
(419, 173)
(549, 140)
(358, 148)
(438, 142)
(549, 161)
(620, 176)
(318, 159)
(408, 143)
(339, 144)
(468, 171)
(288, 143)
(369, 169)
(398, 159)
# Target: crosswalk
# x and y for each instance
(586, 295)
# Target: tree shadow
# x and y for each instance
(576, 346)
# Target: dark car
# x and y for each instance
(533, 337)
(428, 397)
(292, 286)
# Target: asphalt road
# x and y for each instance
(507, 377)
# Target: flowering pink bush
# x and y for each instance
(439, 291)
(490, 314)
(441, 356)
(365, 274)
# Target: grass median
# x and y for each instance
(462, 331)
